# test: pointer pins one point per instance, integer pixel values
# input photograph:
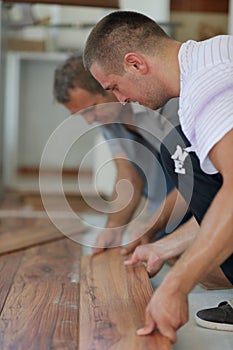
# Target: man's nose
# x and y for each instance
(89, 117)
(121, 98)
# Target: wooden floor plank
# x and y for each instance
(9, 265)
(41, 310)
(22, 225)
(76, 202)
(113, 299)
(16, 234)
(21, 233)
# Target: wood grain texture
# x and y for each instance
(113, 299)
(41, 309)
(21, 233)
(9, 265)
(24, 222)
(17, 234)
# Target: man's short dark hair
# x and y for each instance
(117, 34)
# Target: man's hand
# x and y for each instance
(150, 254)
(168, 307)
(135, 241)
(167, 311)
(108, 238)
(167, 248)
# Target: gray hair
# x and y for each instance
(72, 74)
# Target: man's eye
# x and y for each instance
(114, 88)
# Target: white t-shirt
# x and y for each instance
(206, 97)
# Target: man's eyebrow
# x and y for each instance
(110, 88)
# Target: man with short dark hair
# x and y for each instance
(137, 61)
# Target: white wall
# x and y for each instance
(74, 38)
(69, 38)
(38, 115)
(159, 10)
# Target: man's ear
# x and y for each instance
(135, 63)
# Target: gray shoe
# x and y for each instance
(219, 318)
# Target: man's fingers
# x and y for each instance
(100, 245)
(149, 327)
(168, 332)
(154, 264)
(132, 261)
(141, 254)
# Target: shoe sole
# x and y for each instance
(214, 325)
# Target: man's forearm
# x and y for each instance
(173, 204)
(124, 203)
(178, 241)
(122, 217)
(214, 243)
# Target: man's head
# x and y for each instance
(127, 53)
(75, 87)
(119, 33)
(77, 90)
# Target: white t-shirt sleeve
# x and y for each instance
(214, 118)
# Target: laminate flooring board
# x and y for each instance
(22, 233)
(113, 299)
(76, 202)
(11, 201)
(21, 226)
(41, 309)
(9, 265)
